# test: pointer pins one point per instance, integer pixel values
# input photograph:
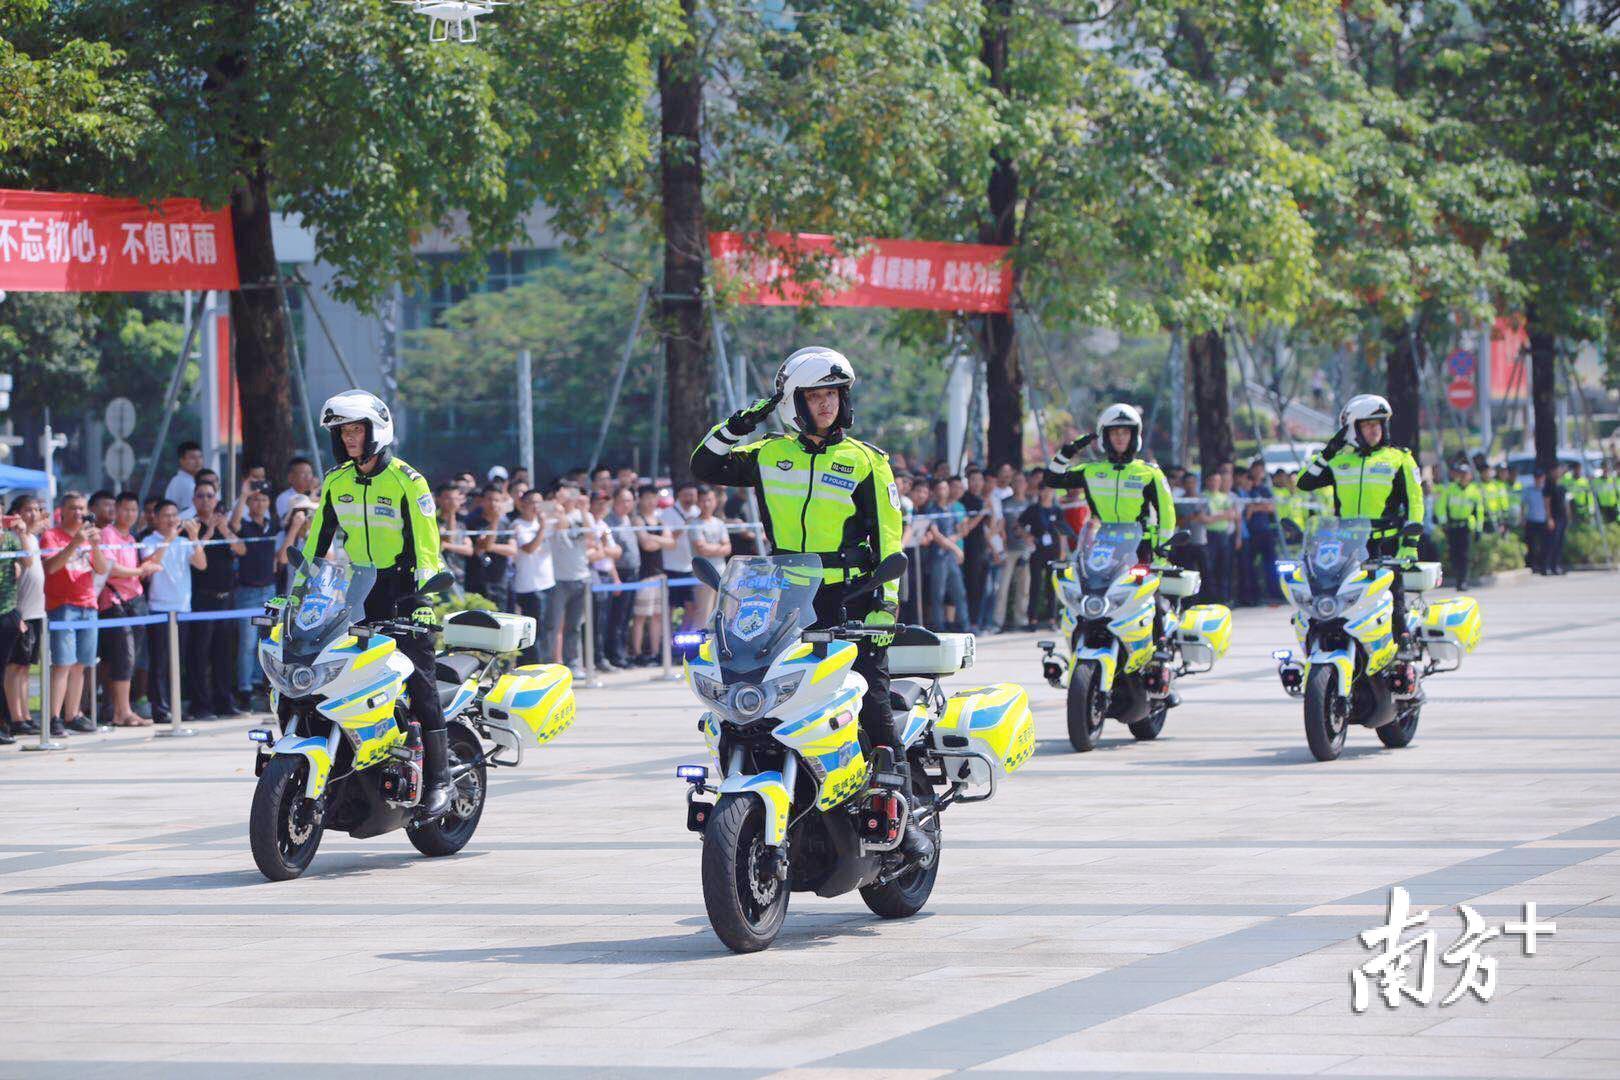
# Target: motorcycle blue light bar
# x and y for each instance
(692, 774)
(691, 637)
(260, 734)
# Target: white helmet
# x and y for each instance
(1364, 407)
(813, 368)
(353, 406)
(1120, 415)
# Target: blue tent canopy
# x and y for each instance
(12, 479)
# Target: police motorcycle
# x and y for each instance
(345, 753)
(798, 802)
(1350, 669)
(1124, 649)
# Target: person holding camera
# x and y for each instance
(256, 527)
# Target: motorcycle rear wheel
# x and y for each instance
(746, 907)
(905, 895)
(450, 833)
(282, 836)
(1326, 720)
(1146, 730)
(1400, 732)
(1085, 711)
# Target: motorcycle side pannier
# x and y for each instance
(1205, 633)
(992, 720)
(540, 695)
(1452, 628)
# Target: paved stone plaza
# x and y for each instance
(1185, 907)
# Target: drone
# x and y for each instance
(453, 20)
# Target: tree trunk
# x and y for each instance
(1212, 406)
(1004, 373)
(682, 323)
(262, 367)
(1403, 390)
(1543, 390)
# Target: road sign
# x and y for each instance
(1461, 364)
(120, 417)
(119, 460)
(1460, 393)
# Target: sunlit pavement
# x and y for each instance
(1183, 907)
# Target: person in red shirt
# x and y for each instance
(72, 557)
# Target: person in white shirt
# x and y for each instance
(180, 487)
(175, 549)
(678, 559)
(300, 482)
(711, 542)
(532, 576)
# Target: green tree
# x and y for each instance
(343, 113)
(1535, 79)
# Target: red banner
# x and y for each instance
(1510, 354)
(892, 273)
(52, 242)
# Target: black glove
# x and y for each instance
(1340, 439)
(746, 420)
(1069, 449)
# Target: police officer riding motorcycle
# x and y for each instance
(1122, 487)
(826, 493)
(1376, 481)
(385, 512)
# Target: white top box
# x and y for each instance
(488, 631)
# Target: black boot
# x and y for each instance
(915, 844)
(437, 790)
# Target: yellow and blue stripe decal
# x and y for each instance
(916, 721)
(769, 787)
(840, 655)
(846, 699)
(320, 761)
(464, 694)
(360, 695)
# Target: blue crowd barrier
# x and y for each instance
(636, 586)
(153, 620)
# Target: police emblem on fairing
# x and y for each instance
(753, 616)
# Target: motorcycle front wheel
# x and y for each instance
(1326, 717)
(284, 829)
(1085, 707)
(905, 895)
(449, 833)
(745, 900)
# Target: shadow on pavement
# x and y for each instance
(666, 949)
(324, 867)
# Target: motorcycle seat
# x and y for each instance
(903, 694)
(455, 668)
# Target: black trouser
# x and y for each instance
(1552, 549)
(392, 586)
(1535, 537)
(210, 654)
(1459, 544)
(157, 669)
(871, 663)
(1387, 547)
(10, 630)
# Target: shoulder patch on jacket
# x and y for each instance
(424, 503)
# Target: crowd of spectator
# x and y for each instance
(615, 544)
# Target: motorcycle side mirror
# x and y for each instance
(890, 569)
(295, 558)
(704, 571)
(438, 583)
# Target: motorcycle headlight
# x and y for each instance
(747, 700)
(784, 687)
(1326, 607)
(710, 689)
(1094, 607)
(299, 680)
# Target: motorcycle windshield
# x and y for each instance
(1106, 554)
(765, 600)
(330, 598)
(1334, 549)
